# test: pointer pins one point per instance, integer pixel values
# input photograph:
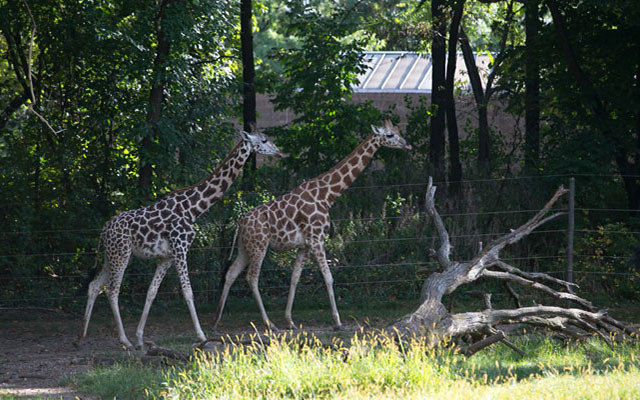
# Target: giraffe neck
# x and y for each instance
(199, 197)
(339, 178)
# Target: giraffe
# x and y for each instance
(164, 231)
(300, 220)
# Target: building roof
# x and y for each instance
(410, 72)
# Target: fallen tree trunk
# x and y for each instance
(433, 321)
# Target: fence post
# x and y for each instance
(571, 228)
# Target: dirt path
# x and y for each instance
(37, 351)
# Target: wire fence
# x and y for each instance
(370, 254)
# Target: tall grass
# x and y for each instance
(377, 367)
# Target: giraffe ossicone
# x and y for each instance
(164, 231)
(300, 220)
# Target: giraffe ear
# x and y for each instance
(376, 130)
(244, 135)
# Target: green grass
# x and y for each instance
(122, 381)
(378, 368)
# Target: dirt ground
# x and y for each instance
(37, 351)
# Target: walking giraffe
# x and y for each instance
(164, 231)
(300, 220)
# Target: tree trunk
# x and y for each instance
(455, 171)
(630, 172)
(633, 186)
(103, 189)
(482, 96)
(156, 100)
(631, 179)
(626, 157)
(248, 84)
(590, 94)
(532, 87)
(484, 144)
(36, 179)
(436, 140)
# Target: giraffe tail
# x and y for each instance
(233, 244)
(227, 263)
(93, 271)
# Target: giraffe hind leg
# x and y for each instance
(298, 265)
(95, 288)
(113, 290)
(253, 276)
(232, 274)
(321, 259)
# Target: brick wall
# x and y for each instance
(465, 111)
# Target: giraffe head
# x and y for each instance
(390, 137)
(260, 143)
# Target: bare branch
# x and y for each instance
(434, 322)
(501, 54)
(156, 351)
(486, 342)
(514, 348)
(490, 255)
(535, 275)
(30, 73)
(445, 246)
(506, 276)
(514, 295)
(470, 322)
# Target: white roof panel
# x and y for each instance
(403, 71)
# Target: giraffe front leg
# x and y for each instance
(183, 274)
(161, 271)
(321, 258)
(298, 265)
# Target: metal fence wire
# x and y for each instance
(374, 249)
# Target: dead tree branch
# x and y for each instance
(30, 73)
(433, 321)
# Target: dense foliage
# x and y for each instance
(141, 97)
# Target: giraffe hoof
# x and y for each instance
(339, 328)
(145, 345)
(77, 342)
